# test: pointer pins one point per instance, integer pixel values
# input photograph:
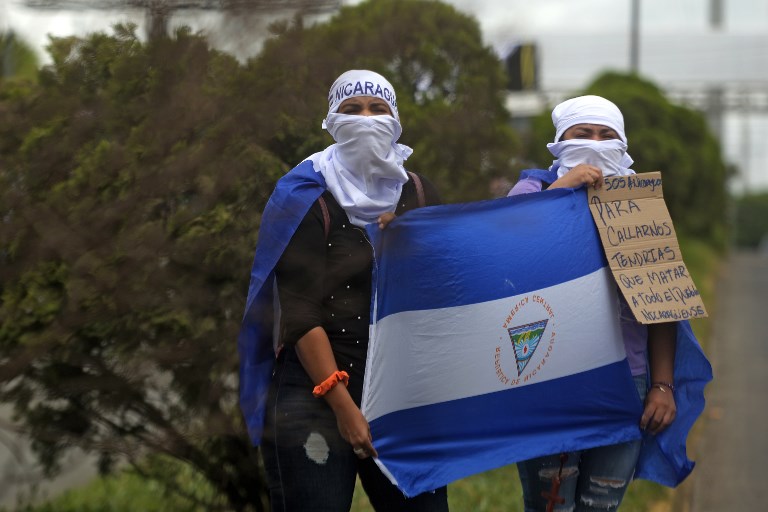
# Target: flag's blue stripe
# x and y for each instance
(553, 229)
(427, 447)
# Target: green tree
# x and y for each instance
(17, 59)
(751, 227)
(449, 88)
(662, 137)
(132, 178)
(129, 197)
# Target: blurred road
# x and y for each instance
(732, 454)
(21, 479)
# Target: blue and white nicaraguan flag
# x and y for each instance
(495, 338)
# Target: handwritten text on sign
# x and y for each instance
(642, 249)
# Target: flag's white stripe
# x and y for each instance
(583, 333)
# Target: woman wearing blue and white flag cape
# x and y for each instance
(304, 336)
(665, 360)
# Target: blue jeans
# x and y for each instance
(309, 466)
(592, 480)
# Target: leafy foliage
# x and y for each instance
(129, 491)
(449, 88)
(129, 196)
(663, 137)
(132, 177)
(17, 59)
(751, 227)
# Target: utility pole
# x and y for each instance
(746, 154)
(634, 35)
(716, 14)
(7, 47)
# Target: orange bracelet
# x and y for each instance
(330, 383)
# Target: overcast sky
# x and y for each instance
(576, 39)
(532, 17)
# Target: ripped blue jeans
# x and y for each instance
(309, 466)
(592, 480)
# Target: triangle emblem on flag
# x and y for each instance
(525, 339)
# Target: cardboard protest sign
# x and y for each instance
(642, 249)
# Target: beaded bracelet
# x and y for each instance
(330, 383)
(662, 385)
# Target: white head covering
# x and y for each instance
(590, 110)
(609, 155)
(364, 169)
(361, 82)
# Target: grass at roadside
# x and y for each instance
(127, 491)
(499, 491)
(492, 491)
(703, 263)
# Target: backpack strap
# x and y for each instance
(326, 216)
(419, 188)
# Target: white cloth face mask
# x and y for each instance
(610, 156)
(362, 141)
(364, 169)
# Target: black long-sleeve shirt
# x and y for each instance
(326, 282)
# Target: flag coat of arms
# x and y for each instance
(495, 338)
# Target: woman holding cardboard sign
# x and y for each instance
(589, 144)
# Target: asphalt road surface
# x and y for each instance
(732, 455)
